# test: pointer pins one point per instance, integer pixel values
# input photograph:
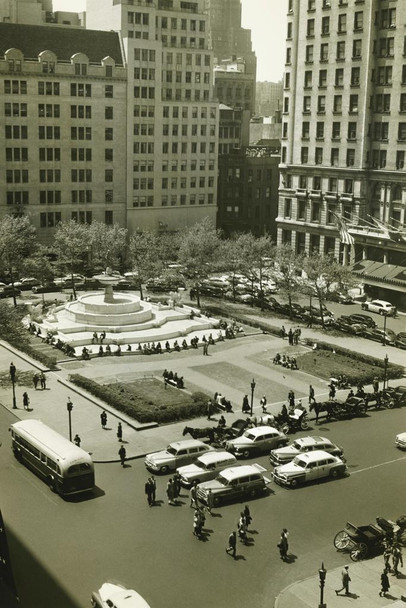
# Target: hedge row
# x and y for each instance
(216, 311)
(144, 411)
(46, 360)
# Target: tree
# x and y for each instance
(287, 273)
(198, 252)
(258, 253)
(11, 328)
(145, 261)
(17, 243)
(232, 258)
(324, 275)
(71, 242)
(108, 245)
(39, 266)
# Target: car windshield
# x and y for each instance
(296, 445)
(223, 480)
(171, 450)
(299, 462)
(249, 435)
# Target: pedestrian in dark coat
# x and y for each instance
(283, 545)
(311, 394)
(119, 432)
(35, 380)
(291, 398)
(245, 404)
(177, 484)
(170, 492)
(26, 400)
(290, 336)
(122, 453)
(43, 381)
(247, 515)
(148, 491)
(385, 585)
(396, 559)
(232, 544)
(77, 440)
(345, 579)
(103, 419)
(209, 409)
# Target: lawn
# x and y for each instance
(326, 364)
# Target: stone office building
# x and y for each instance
(344, 130)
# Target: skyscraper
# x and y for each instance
(344, 130)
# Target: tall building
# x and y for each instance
(172, 117)
(62, 125)
(268, 98)
(344, 133)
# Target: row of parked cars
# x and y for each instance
(218, 472)
(365, 326)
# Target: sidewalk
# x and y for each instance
(364, 589)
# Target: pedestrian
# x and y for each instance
(177, 484)
(222, 422)
(95, 338)
(26, 400)
(242, 529)
(119, 432)
(283, 545)
(77, 440)
(193, 495)
(247, 515)
(375, 385)
(103, 419)
(397, 559)
(311, 394)
(13, 371)
(283, 331)
(263, 403)
(102, 337)
(205, 348)
(43, 381)
(232, 544)
(209, 409)
(210, 502)
(198, 522)
(148, 491)
(332, 392)
(122, 453)
(291, 398)
(245, 405)
(295, 337)
(170, 492)
(345, 579)
(153, 488)
(385, 585)
(290, 336)
(35, 380)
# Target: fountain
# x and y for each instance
(124, 317)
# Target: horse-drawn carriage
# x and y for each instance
(362, 541)
(218, 434)
(291, 423)
(354, 406)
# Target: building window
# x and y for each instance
(358, 21)
(321, 104)
(334, 157)
(305, 130)
(306, 104)
(309, 53)
(336, 130)
(340, 50)
(357, 49)
(339, 77)
(304, 155)
(350, 157)
(402, 131)
(315, 211)
(353, 103)
(323, 78)
(342, 23)
(320, 130)
(352, 130)
(310, 27)
(318, 157)
(287, 208)
(325, 25)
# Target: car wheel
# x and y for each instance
(381, 312)
(164, 469)
(51, 484)
(216, 501)
(334, 473)
(246, 454)
(293, 483)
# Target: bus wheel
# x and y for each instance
(51, 484)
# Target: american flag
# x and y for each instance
(345, 236)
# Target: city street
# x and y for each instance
(63, 550)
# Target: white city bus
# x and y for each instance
(66, 468)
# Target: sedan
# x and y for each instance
(380, 306)
(362, 319)
(400, 441)
(7, 291)
(111, 595)
(258, 439)
(401, 340)
(309, 467)
(47, 288)
(303, 445)
(379, 335)
(26, 283)
(344, 324)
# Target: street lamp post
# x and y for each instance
(322, 578)
(13, 371)
(385, 370)
(252, 394)
(384, 328)
(69, 407)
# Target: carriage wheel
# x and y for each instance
(359, 552)
(285, 428)
(389, 403)
(304, 424)
(361, 409)
(341, 540)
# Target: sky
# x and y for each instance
(266, 19)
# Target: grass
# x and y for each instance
(326, 364)
(150, 391)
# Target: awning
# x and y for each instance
(387, 274)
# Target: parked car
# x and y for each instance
(401, 340)
(314, 313)
(47, 288)
(302, 446)
(340, 297)
(206, 467)
(234, 483)
(213, 291)
(398, 394)
(165, 284)
(400, 441)
(256, 440)
(388, 336)
(177, 454)
(309, 467)
(116, 596)
(123, 285)
(27, 283)
(343, 323)
(66, 281)
(7, 291)
(362, 319)
(380, 306)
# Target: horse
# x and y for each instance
(200, 433)
(326, 406)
